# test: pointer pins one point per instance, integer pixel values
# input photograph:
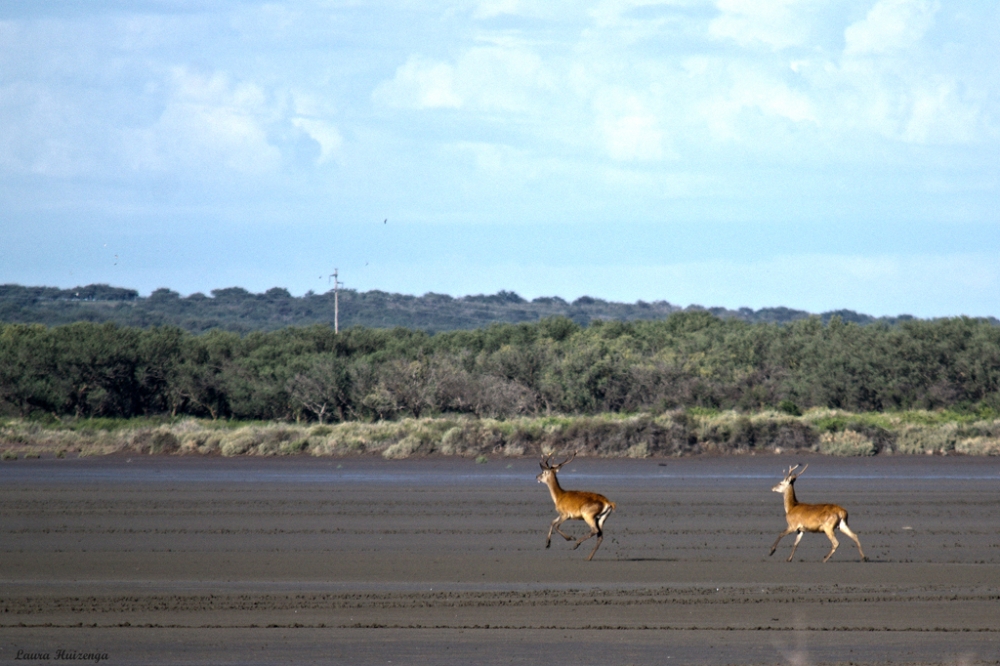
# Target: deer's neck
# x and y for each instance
(790, 500)
(554, 488)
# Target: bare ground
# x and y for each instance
(167, 560)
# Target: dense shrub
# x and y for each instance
(689, 360)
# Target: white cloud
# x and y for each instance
(504, 77)
(938, 115)
(667, 101)
(208, 122)
(748, 89)
(634, 137)
(326, 135)
(420, 84)
(887, 81)
(775, 23)
(890, 25)
(495, 159)
(918, 106)
(629, 130)
(492, 8)
(40, 133)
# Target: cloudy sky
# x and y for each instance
(816, 154)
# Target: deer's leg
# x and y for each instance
(595, 530)
(597, 525)
(557, 523)
(794, 546)
(847, 530)
(554, 526)
(778, 540)
(828, 531)
(600, 538)
(584, 538)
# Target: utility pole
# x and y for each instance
(336, 302)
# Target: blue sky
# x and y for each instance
(806, 153)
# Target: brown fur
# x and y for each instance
(803, 518)
(591, 508)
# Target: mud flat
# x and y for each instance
(178, 560)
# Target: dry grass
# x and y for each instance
(677, 433)
(846, 443)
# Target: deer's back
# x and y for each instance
(576, 502)
(814, 516)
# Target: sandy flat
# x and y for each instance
(167, 560)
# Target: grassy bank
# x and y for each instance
(680, 433)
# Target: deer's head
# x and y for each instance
(549, 470)
(789, 479)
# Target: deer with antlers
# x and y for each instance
(804, 518)
(591, 508)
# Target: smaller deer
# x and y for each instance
(811, 518)
(575, 505)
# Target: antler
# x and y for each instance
(790, 476)
(555, 468)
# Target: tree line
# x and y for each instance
(238, 310)
(555, 366)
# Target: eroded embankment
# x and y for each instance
(637, 436)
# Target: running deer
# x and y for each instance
(811, 518)
(575, 505)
